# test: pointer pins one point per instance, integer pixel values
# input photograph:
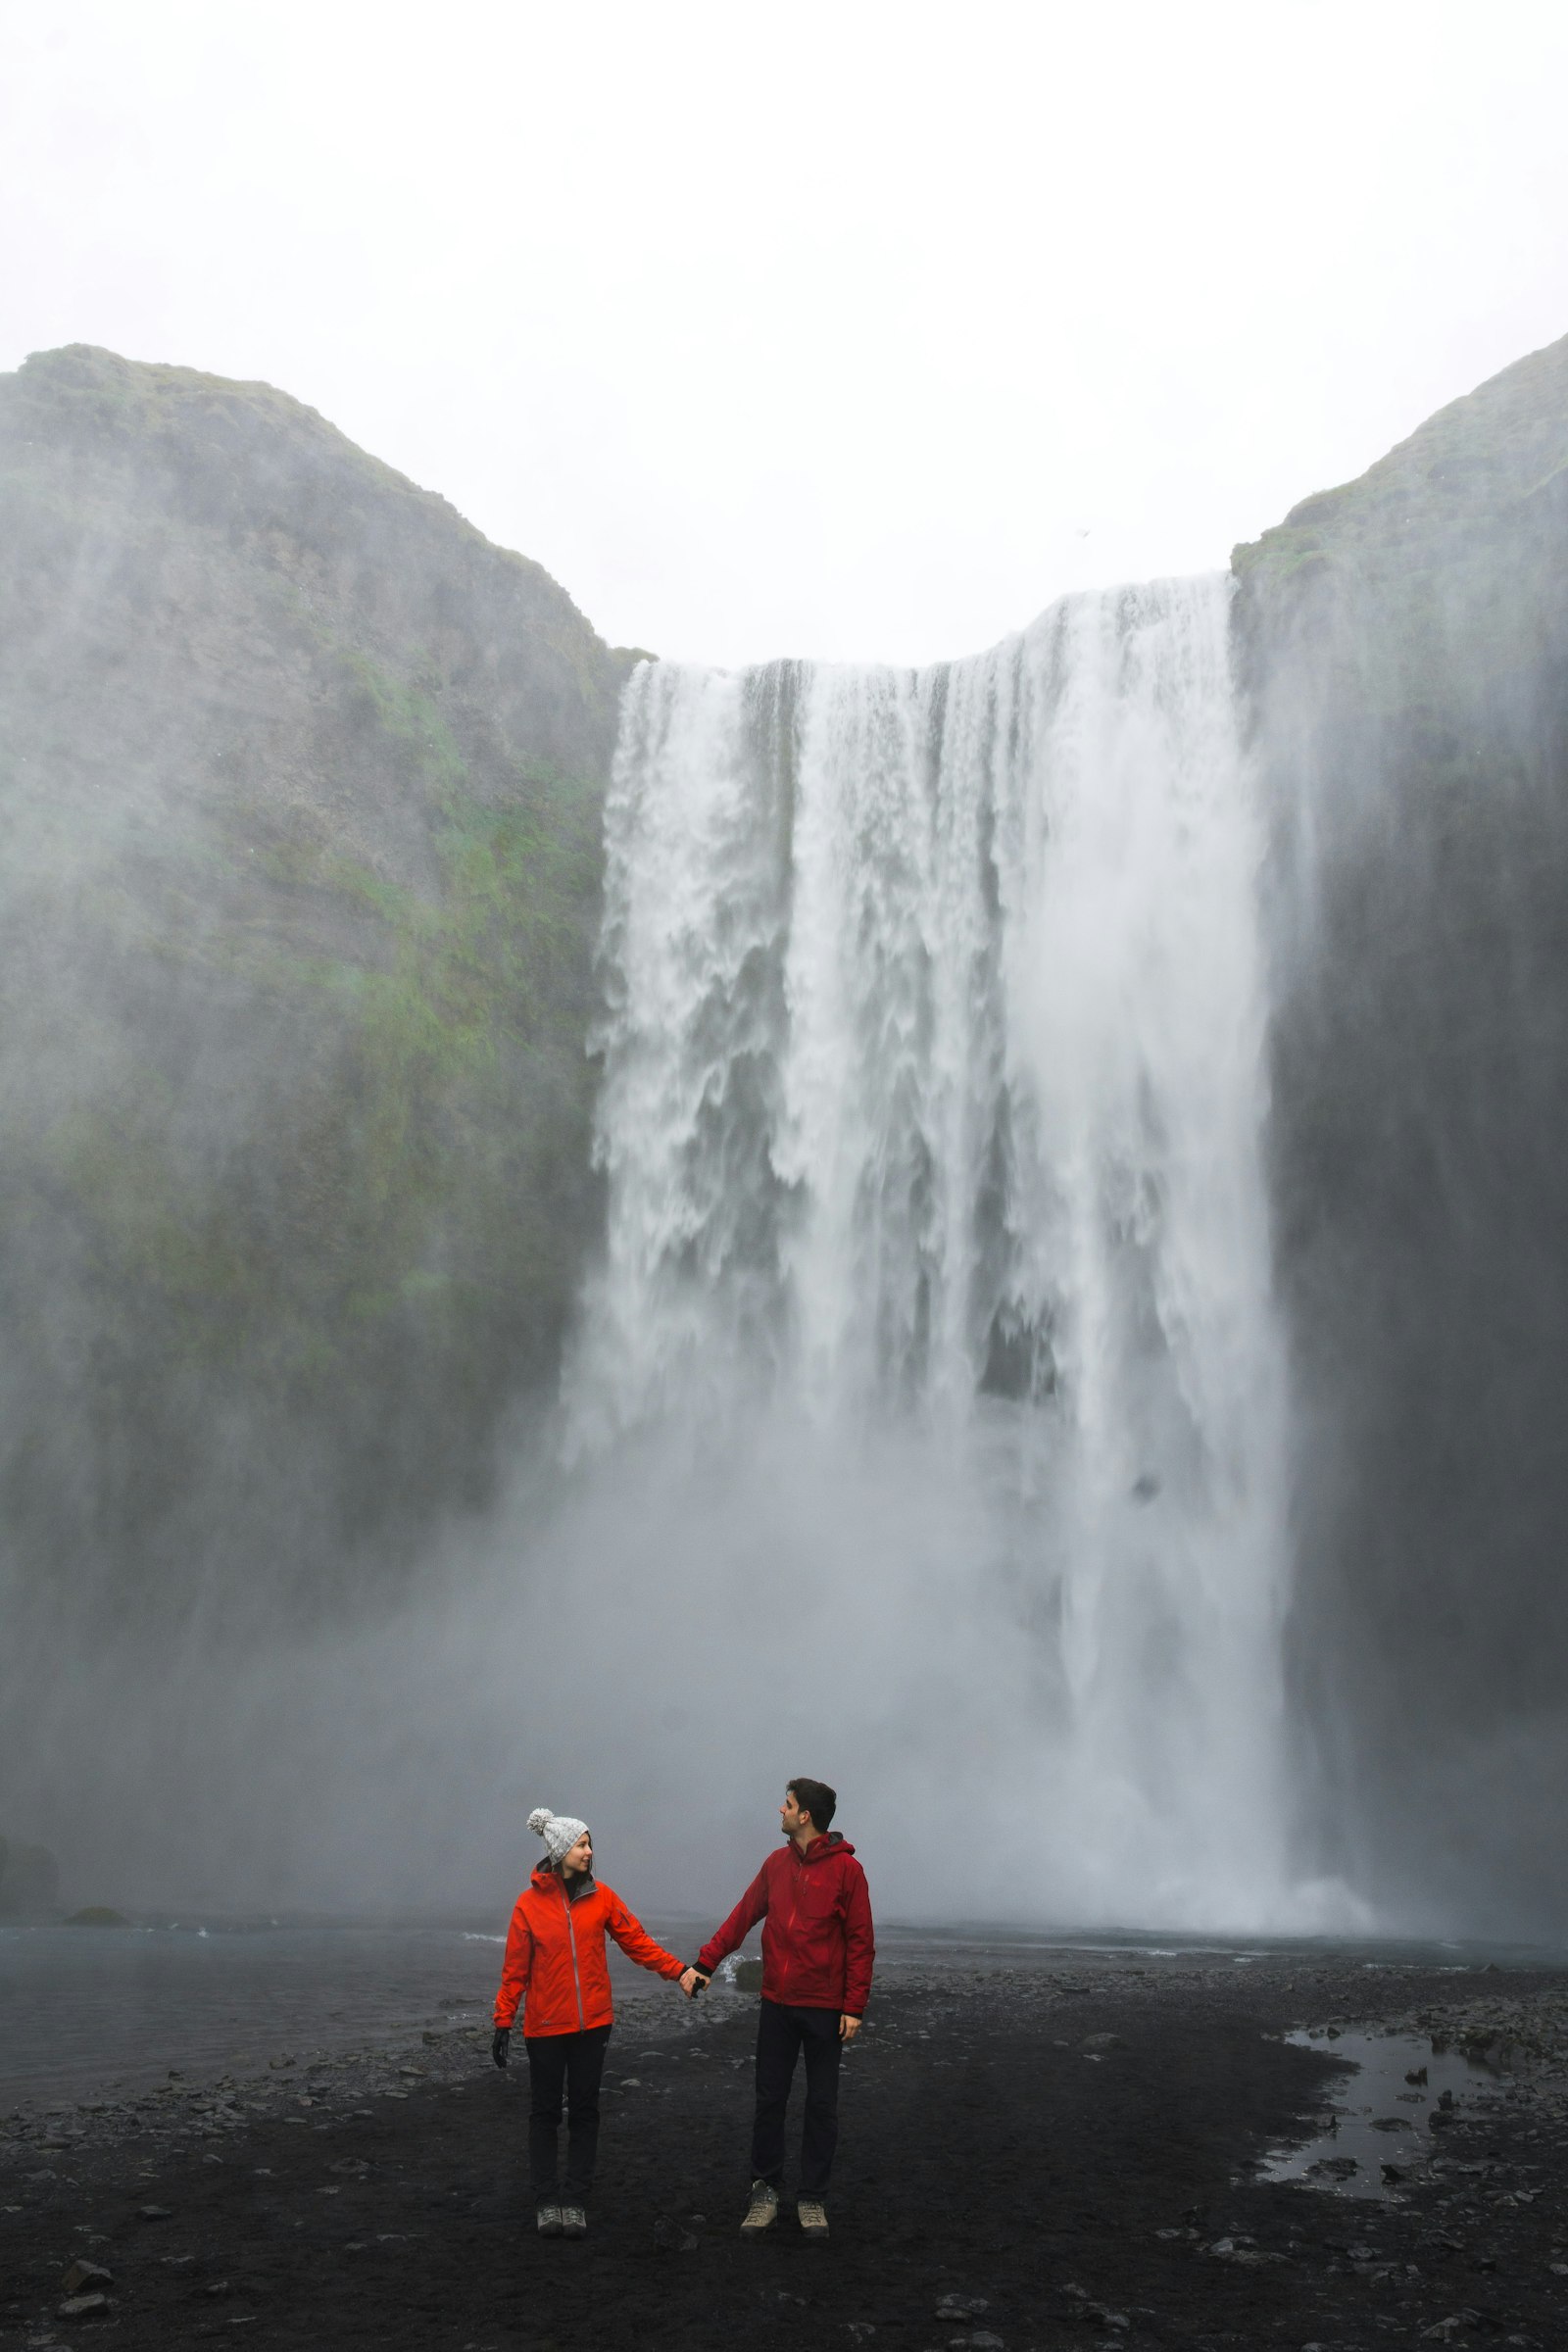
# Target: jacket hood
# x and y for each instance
(821, 1848)
(545, 1878)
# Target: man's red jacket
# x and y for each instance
(818, 1943)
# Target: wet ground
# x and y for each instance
(1062, 2153)
(1387, 2111)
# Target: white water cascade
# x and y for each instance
(932, 1108)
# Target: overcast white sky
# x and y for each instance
(851, 329)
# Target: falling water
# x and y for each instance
(933, 1092)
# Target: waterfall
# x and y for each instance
(932, 1104)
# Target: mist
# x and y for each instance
(647, 1651)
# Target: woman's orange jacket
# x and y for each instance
(556, 1965)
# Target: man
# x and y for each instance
(817, 1952)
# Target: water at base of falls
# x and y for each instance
(935, 1327)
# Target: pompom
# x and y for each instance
(539, 1820)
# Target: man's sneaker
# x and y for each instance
(574, 2221)
(813, 2219)
(550, 2221)
(763, 2212)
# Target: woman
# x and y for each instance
(555, 1967)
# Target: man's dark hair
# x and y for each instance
(817, 1799)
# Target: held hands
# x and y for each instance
(849, 2027)
(500, 2043)
(691, 1982)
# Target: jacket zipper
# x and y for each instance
(571, 1938)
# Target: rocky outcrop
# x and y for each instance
(301, 783)
(1406, 642)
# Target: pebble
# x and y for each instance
(670, 2238)
(84, 2274)
(1226, 2249)
(83, 2307)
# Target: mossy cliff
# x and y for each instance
(1404, 641)
(301, 783)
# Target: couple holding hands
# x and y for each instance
(817, 1952)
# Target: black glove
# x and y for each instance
(501, 2043)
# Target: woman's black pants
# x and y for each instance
(573, 2064)
(782, 2033)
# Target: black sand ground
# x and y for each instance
(1000, 2183)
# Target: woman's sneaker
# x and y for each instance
(813, 2217)
(574, 2221)
(763, 2212)
(550, 2221)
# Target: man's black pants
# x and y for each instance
(574, 2063)
(781, 2035)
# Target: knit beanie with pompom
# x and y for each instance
(560, 1832)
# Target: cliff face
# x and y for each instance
(301, 784)
(1405, 643)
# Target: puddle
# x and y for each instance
(1379, 2131)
